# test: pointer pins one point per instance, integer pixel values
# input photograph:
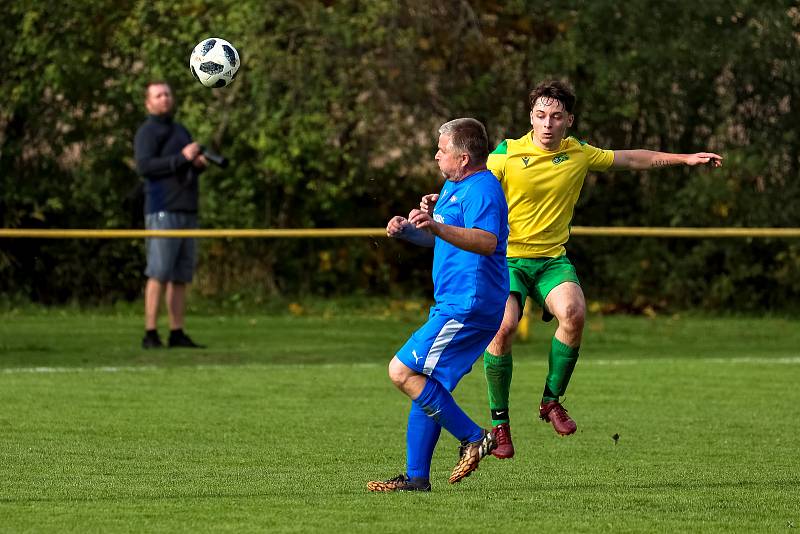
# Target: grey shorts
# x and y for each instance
(170, 259)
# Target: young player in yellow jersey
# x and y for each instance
(542, 175)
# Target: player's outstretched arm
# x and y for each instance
(469, 239)
(399, 227)
(639, 160)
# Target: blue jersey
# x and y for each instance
(468, 286)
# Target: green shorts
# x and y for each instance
(536, 278)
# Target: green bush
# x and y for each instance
(332, 119)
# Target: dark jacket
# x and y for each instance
(170, 179)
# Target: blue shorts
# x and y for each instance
(170, 259)
(445, 349)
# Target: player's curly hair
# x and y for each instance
(468, 135)
(556, 90)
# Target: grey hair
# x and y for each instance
(468, 135)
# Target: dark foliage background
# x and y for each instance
(332, 121)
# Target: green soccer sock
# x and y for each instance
(498, 371)
(562, 361)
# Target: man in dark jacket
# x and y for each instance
(170, 163)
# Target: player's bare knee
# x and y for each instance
(394, 376)
(398, 372)
(506, 333)
(573, 318)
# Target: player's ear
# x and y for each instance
(570, 120)
(531, 116)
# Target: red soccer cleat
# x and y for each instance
(556, 414)
(505, 448)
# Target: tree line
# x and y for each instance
(331, 122)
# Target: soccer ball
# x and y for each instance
(214, 62)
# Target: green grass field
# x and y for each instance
(279, 424)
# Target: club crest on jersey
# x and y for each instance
(560, 158)
(525, 160)
(453, 198)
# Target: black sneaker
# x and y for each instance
(471, 455)
(152, 341)
(400, 483)
(178, 339)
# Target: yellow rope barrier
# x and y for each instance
(217, 233)
(274, 233)
(643, 231)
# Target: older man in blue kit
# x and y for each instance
(469, 233)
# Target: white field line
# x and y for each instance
(789, 360)
(786, 360)
(155, 368)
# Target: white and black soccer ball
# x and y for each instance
(214, 62)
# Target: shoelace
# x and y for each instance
(559, 412)
(398, 478)
(461, 450)
(502, 437)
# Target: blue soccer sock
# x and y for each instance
(422, 434)
(440, 406)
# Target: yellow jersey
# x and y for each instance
(542, 188)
